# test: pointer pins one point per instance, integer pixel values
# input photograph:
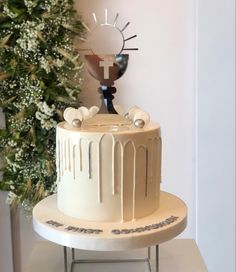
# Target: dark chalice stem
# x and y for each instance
(108, 96)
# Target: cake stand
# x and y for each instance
(163, 225)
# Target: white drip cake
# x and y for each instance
(109, 169)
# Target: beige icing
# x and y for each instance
(108, 170)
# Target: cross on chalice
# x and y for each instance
(107, 63)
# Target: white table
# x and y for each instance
(163, 225)
(178, 255)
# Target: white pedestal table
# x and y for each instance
(163, 225)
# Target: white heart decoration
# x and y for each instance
(132, 112)
(73, 114)
(85, 112)
(82, 113)
(93, 111)
(66, 111)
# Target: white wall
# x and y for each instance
(216, 134)
(159, 79)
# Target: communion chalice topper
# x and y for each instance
(107, 63)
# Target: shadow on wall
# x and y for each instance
(5, 235)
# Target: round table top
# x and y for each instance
(163, 225)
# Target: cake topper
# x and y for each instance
(107, 62)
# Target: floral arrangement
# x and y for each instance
(40, 75)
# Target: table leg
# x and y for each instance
(157, 258)
(73, 254)
(87, 261)
(72, 260)
(149, 253)
(65, 259)
(149, 259)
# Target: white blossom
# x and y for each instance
(45, 64)
(15, 167)
(30, 92)
(70, 92)
(22, 125)
(19, 154)
(44, 114)
(11, 143)
(28, 40)
(45, 108)
(30, 4)
(11, 197)
(48, 124)
(40, 116)
(8, 12)
(59, 63)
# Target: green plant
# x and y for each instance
(40, 75)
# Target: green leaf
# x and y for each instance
(28, 147)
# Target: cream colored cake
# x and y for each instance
(108, 169)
